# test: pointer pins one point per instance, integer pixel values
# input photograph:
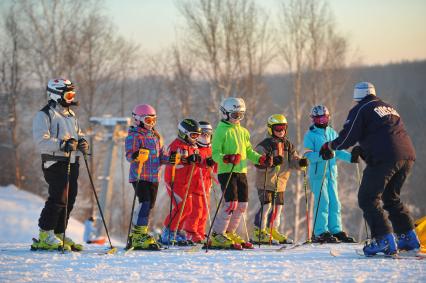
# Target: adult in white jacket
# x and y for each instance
(60, 141)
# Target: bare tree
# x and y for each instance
(314, 56)
(231, 44)
(10, 88)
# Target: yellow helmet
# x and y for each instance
(276, 119)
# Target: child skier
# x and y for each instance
(143, 135)
(185, 181)
(57, 134)
(195, 224)
(272, 186)
(323, 179)
(231, 148)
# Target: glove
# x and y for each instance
(232, 206)
(265, 161)
(69, 145)
(135, 155)
(194, 158)
(356, 153)
(210, 162)
(303, 162)
(326, 152)
(83, 146)
(232, 158)
(277, 160)
(172, 158)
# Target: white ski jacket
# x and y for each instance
(50, 130)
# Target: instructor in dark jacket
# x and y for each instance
(387, 149)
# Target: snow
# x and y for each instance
(19, 212)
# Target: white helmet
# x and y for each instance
(362, 89)
(60, 90)
(232, 105)
(319, 110)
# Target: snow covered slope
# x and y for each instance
(19, 213)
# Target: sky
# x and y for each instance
(378, 31)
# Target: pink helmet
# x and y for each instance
(141, 111)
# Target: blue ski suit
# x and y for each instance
(329, 218)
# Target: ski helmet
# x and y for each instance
(60, 91)
(362, 89)
(206, 133)
(233, 107)
(144, 113)
(189, 130)
(276, 122)
(320, 115)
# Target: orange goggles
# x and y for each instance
(149, 120)
(69, 96)
(194, 135)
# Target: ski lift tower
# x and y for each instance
(114, 132)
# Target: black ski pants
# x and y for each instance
(53, 214)
(237, 188)
(382, 183)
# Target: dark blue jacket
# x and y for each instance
(378, 129)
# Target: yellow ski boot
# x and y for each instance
(238, 240)
(48, 241)
(265, 237)
(142, 240)
(222, 241)
(281, 238)
(68, 241)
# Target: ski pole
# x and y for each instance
(142, 158)
(305, 185)
(218, 206)
(172, 195)
(263, 200)
(112, 250)
(184, 201)
(245, 226)
(365, 221)
(205, 196)
(274, 210)
(319, 197)
(67, 186)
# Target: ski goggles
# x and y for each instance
(321, 120)
(194, 135)
(279, 128)
(69, 96)
(236, 115)
(150, 120)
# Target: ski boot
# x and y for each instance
(141, 240)
(343, 237)
(386, 245)
(48, 241)
(194, 237)
(281, 238)
(222, 241)
(408, 241)
(265, 237)
(238, 240)
(68, 241)
(167, 238)
(324, 238)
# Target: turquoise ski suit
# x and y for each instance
(329, 218)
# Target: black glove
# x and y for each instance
(172, 158)
(135, 155)
(83, 146)
(210, 162)
(194, 158)
(356, 153)
(69, 145)
(326, 152)
(277, 160)
(303, 162)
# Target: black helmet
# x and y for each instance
(189, 130)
